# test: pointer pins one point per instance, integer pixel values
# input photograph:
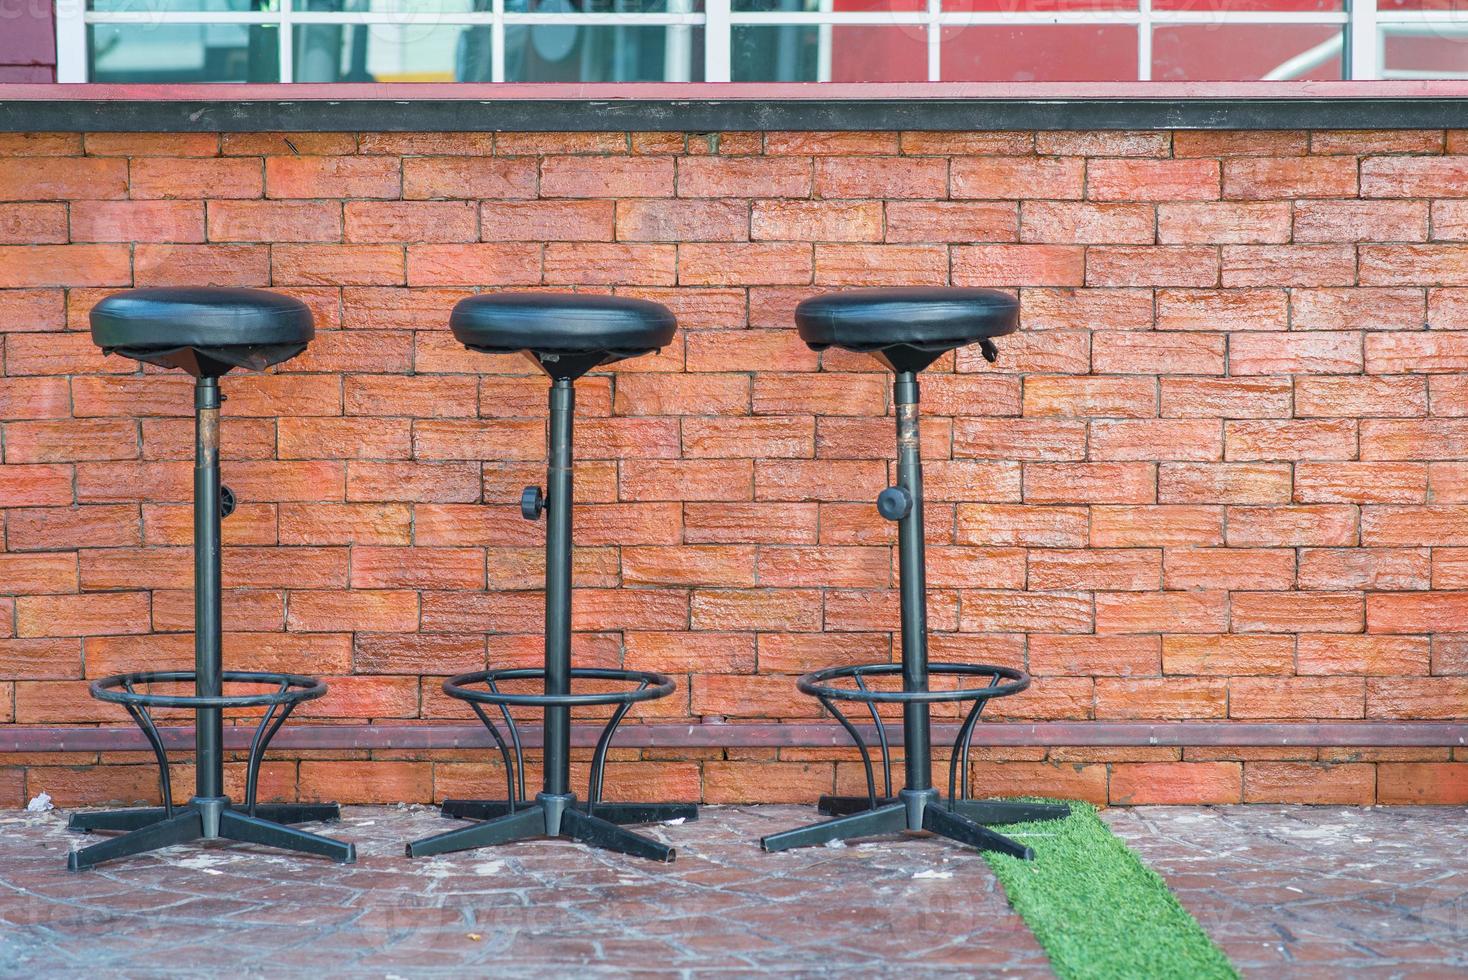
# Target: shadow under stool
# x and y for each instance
(207, 332)
(907, 329)
(565, 335)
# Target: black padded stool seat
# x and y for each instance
(598, 329)
(206, 330)
(907, 322)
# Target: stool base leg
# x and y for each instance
(149, 829)
(840, 806)
(240, 826)
(1006, 811)
(948, 824)
(597, 826)
(622, 813)
(618, 813)
(480, 809)
(116, 819)
(867, 823)
(299, 812)
(520, 825)
(186, 825)
(579, 825)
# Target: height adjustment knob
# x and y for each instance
(894, 503)
(532, 502)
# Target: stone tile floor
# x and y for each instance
(1337, 892)
(1293, 891)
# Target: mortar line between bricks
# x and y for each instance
(1369, 734)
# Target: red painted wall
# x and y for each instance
(27, 41)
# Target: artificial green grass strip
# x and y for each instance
(1097, 910)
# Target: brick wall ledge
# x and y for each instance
(1373, 734)
(1419, 104)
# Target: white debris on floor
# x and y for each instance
(205, 862)
(40, 803)
(933, 874)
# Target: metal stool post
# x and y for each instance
(558, 481)
(913, 583)
(208, 604)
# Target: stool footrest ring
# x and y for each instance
(289, 691)
(1003, 681)
(648, 686)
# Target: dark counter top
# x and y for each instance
(734, 107)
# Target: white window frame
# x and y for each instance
(1361, 41)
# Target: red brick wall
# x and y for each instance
(1219, 475)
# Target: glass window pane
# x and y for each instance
(603, 6)
(269, 7)
(484, 6)
(829, 6)
(1425, 51)
(1254, 6)
(388, 53)
(1034, 6)
(1065, 53)
(168, 6)
(430, 7)
(817, 53)
(394, 6)
(176, 53)
(598, 53)
(1454, 6)
(1246, 52)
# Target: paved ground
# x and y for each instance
(1288, 891)
(1329, 892)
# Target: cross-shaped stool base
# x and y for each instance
(151, 828)
(919, 810)
(555, 816)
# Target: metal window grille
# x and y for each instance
(1360, 41)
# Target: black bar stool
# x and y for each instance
(206, 332)
(565, 335)
(907, 330)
